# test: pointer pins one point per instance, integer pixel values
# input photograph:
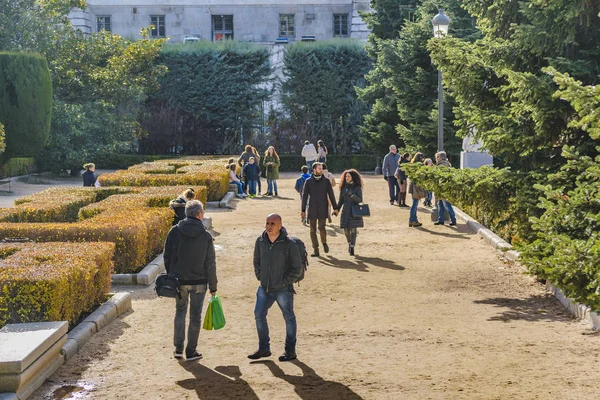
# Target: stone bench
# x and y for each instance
(29, 354)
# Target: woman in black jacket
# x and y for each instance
(351, 185)
(178, 205)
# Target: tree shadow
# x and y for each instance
(310, 385)
(462, 233)
(535, 308)
(361, 264)
(224, 382)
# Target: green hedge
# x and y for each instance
(17, 166)
(336, 162)
(124, 161)
(25, 102)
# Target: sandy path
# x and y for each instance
(428, 313)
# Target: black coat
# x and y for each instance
(178, 206)
(89, 178)
(276, 265)
(315, 194)
(350, 195)
(251, 172)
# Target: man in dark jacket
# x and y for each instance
(277, 265)
(190, 256)
(316, 191)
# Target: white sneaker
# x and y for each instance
(244, 195)
(239, 196)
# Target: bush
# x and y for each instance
(52, 281)
(336, 162)
(211, 174)
(124, 161)
(17, 166)
(25, 102)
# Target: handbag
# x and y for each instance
(167, 285)
(360, 210)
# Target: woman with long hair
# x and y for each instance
(178, 205)
(417, 194)
(271, 165)
(321, 152)
(401, 177)
(351, 184)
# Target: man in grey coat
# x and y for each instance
(390, 163)
(190, 256)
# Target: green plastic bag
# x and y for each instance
(218, 318)
(208, 318)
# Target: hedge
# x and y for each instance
(209, 173)
(17, 166)
(335, 162)
(124, 161)
(52, 281)
(136, 222)
(25, 102)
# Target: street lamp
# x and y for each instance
(441, 23)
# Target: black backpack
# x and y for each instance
(303, 256)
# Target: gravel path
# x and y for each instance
(427, 313)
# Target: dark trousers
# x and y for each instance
(394, 188)
(313, 232)
(350, 235)
(285, 301)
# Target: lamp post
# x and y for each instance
(441, 23)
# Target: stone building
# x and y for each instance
(260, 21)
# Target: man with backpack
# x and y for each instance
(278, 263)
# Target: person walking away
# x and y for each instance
(428, 194)
(277, 265)
(309, 153)
(271, 165)
(178, 205)
(390, 164)
(252, 173)
(233, 178)
(331, 178)
(322, 152)
(190, 256)
(400, 175)
(442, 205)
(317, 190)
(351, 185)
(416, 193)
(242, 161)
(89, 176)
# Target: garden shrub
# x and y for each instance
(17, 166)
(52, 281)
(124, 161)
(335, 162)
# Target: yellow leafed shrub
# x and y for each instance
(52, 281)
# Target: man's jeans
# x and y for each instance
(285, 301)
(393, 188)
(252, 187)
(196, 294)
(272, 186)
(442, 206)
(309, 164)
(313, 232)
(413, 211)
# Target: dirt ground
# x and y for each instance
(419, 313)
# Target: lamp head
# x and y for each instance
(441, 24)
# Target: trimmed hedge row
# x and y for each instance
(137, 222)
(52, 281)
(335, 162)
(17, 166)
(124, 161)
(210, 174)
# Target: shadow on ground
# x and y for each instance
(361, 264)
(459, 232)
(536, 308)
(224, 382)
(310, 385)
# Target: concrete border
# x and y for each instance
(580, 311)
(118, 304)
(144, 277)
(225, 202)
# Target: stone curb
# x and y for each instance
(224, 202)
(580, 311)
(144, 277)
(118, 304)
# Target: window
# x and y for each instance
(340, 24)
(222, 27)
(103, 23)
(158, 25)
(286, 25)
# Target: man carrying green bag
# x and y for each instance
(214, 317)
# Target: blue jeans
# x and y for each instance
(442, 206)
(272, 186)
(195, 294)
(251, 187)
(413, 211)
(429, 196)
(240, 187)
(394, 188)
(285, 301)
(309, 164)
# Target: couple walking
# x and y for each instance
(318, 194)
(189, 255)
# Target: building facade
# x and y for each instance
(260, 21)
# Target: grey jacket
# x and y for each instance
(390, 163)
(276, 265)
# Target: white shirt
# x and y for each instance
(309, 152)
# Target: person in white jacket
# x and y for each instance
(309, 152)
